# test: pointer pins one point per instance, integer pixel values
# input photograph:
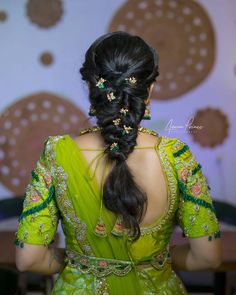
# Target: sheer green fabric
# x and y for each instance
(114, 264)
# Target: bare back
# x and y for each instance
(145, 165)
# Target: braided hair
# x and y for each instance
(120, 69)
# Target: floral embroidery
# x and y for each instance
(195, 197)
(102, 263)
(184, 174)
(188, 197)
(196, 189)
(39, 196)
(101, 267)
(160, 259)
(63, 200)
(47, 177)
(34, 196)
(39, 207)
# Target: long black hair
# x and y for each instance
(120, 59)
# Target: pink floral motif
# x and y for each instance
(184, 174)
(47, 177)
(102, 263)
(196, 189)
(34, 196)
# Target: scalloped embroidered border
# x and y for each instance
(41, 206)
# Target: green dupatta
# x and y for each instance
(83, 191)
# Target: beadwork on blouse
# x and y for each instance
(62, 187)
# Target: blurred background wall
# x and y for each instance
(42, 47)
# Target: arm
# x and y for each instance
(198, 254)
(38, 221)
(41, 259)
(195, 215)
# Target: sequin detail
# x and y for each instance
(63, 200)
(102, 267)
(196, 213)
(41, 206)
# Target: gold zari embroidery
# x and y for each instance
(102, 267)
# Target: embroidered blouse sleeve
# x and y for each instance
(39, 219)
(196, 213)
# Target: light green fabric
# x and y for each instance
(77, 198)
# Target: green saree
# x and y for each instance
(62, 188)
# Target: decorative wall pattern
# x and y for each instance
(23, 128)
(181, 32)
(215, 127)
(3, 16)
(46, 58)
(44, 13)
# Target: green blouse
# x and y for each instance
(62, 188)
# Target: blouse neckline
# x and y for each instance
(96, 128)
(156, 224)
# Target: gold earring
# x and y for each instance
(92, 111)
(147, 114)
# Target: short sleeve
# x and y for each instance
(39, 219)
(195, 214)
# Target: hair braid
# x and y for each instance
(116, 58)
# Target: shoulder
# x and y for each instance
(173, 143)
(181, 155)
(51, 143)
(176, 148)
(52, 140)
(90, 138)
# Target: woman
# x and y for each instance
(117, 189)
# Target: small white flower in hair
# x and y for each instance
(124, 111)
(111, 96)
(114, 147)
(100, 83)
(131, 80)
(127, 129)
(116, 121)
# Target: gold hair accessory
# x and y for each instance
(147, 114)
(124, 111)
(100, 83)
(127, 129)
(111, 96)
(92, 111)
(131, 80)
(114, 147)
(116, 121)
